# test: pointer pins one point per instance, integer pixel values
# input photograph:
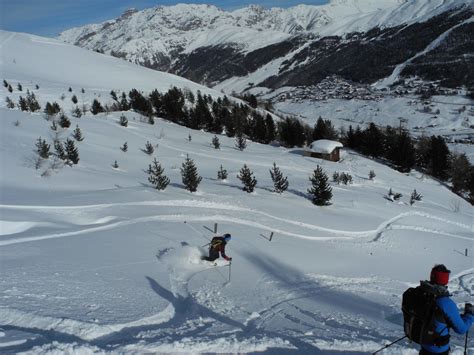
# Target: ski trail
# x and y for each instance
(228, 207)
(428, 230)
(84, 330)
(387, 224)
(339, 234)
(437, 42)
(466, 280)
(168, 203)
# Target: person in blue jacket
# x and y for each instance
(447, 314)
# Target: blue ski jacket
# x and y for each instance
(452, 319)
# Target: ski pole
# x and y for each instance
(194, 229)
(386, 346)
(465, 345)
(230, 263)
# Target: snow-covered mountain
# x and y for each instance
(95, 260)
(209, 45)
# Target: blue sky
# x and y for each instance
(49, 17)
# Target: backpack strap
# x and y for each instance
(441, 340)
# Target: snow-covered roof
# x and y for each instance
(324, 146)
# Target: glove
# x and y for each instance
(468, 309)
(229, 258)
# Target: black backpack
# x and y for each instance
(419, 313)
(216, 242)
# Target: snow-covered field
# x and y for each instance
(93, 259)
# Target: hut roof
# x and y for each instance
(324, 146)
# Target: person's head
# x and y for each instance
(227, 237)
(439, 275)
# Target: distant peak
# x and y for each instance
(129, 12)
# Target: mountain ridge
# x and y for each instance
(209, 45)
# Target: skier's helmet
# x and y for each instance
(227, 237)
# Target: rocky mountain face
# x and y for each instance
(364, 41)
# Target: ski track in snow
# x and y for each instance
(83, 330)
(433, 45)
(339, 234)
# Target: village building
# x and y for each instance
(324, 149)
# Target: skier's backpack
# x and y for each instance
(216, 242)
(419, 313)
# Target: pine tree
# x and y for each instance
(96, 107)
(240, 141)
(401, 150)
(149, 149)
(115, 165)
(77, 134)
(123, 121)
(372, 141)
(42, 148)
(321, 191)
(323, 129)
(415, 196)
(393, 196)
(124, 105)
(216, 143)
(5, 83)
(70, 89)
(72, 152)
(51, 109)
(74, 99)
(64, 121)
(346, 178)
(471, 186)
(10, 103)
(460, 172)
(291, 132)
(247, 179)
(124, 148)
(140, 103)
(439, 158)
(222, 173)
(19, 87)
(54, 126)
(76, 112)
(10, 89)
(60, 152)
(336, 177)
(371, 174)
(113, 95)
(156, 177)
(151, 119)
(23, 104)
(190, 176)
(32, 103)
(271, 128)
(280, 182)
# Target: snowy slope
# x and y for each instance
(93, 259)
(57, 63)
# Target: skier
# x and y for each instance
(446, 314)
(217, 246)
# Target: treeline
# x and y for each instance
(394, 146)
(219, 116)
(429, 155)
(196, 111)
